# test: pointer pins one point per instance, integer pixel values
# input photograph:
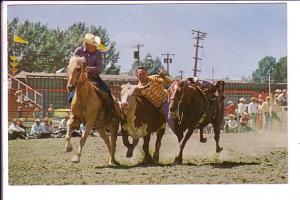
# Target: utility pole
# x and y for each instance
(200, 36)
(212, 73)
(136, 54)
(181, 74)
(168, 60)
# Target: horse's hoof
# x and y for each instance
(114, 163)
(75, 159)
(203, 140)
(68, 149)
(218, 150)
(177, 161)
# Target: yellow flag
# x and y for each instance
(13, 70)
(13, 64)
(13, 57)
(18, 39)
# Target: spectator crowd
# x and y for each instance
(260, 114)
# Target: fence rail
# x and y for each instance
(30, 94)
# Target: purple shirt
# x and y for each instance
(92, 60)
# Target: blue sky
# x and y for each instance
(238, 35)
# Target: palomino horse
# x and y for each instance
(88, 107)
(140, 119)
(191, 110)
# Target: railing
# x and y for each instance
(30, 94)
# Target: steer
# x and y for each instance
(140, 119)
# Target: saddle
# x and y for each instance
(208, 88)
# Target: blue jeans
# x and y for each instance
(165, 110)
(98, 82)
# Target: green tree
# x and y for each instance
(279, 74)
(268, 65)
(265, 66)
(114, 70)
(51, 49)
(152, 65)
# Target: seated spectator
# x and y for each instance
(244, 122)
(36, 113)
(50, 111)
(231, 125)
(63, 125)
(36, 129)
(19, 96)
(16, 130)
(27, 102)
(78, 133)
(230, 108)
(47, 129)
(20, 112)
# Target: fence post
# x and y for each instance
(42, 104)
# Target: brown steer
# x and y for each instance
(140, 119)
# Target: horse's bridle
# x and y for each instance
(82, 69)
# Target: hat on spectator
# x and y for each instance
(37, 120)
(253, 99)
(245, 114)
(231, 116)
(242, 99)
(229, 102)
(277, 91)
(21, 119)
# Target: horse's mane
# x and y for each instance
(76, 61)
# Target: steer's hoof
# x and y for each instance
(203, 140)
(75, 159)
(218, 150)
(68, 148)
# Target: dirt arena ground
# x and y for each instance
(247, 158)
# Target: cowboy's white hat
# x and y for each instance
(100, 46)
(89, 39)
(242, 99)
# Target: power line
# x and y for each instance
(168, 59)
(181, 74)
(200, 36)
(137, 53)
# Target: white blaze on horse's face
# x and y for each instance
(127, 94)
(74, 71)
(174, 94)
